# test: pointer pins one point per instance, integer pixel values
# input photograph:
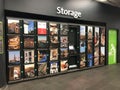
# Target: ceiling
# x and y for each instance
(115, 3)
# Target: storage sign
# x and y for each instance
(73, 13)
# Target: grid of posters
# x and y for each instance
(54, 46)
(41, 48)
(54, 32)
(28, 46)
(90, 45)
(96, 46)
(42, 45)
(42, 62)
(82, 46)
(102, 46)
(13, 44)
(64, 47)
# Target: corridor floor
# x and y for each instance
(102, 78)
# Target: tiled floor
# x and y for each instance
(103, 78)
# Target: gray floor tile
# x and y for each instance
(103, 78)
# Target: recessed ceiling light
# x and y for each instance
(102, 0)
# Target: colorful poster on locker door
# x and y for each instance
(96, 37)
(112, 46)
(90, 32)
(42, 28)
(28, 27)
(13, 26)
(14, 73)
(64, 29)
(82, 32)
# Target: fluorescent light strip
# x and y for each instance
(102, 0)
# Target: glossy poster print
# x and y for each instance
(28, 27)
(54, 39)
(13, 42)
(90, 60)
(42, 69)
(103, 36)
(89, 47)
(90, 32)
(42, 41)
(53, 67)
(82, 60)
(64, 52)
(13, 26)
(54, 54)
(53, 28)
(112, 46)
(42, 56)
(42, 27)
(28, 56)
(96, 52)
(82, 47)
(64, 41)
(28, 42)
(102, 60)
(96, 37)
(82, 32)
(96, 61)
(14, 57)
(14, 73)
(29, 70)
(102, 51)
(64, 29)
(64, 65)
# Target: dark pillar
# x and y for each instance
(2, 56)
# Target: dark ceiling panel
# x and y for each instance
(115, 3)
